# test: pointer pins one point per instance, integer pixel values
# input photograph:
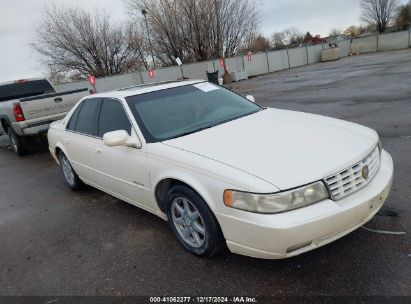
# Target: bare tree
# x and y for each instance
(378, 13)
(290, 37)
(75, 43)
(293, 37)
(403, 17)
(195, 30)
(335, 32)
(258, 44)
(239, 22)
(277, 40)
(354, 31)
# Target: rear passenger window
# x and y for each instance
(112, 117)
(86, 119)
(72, 123)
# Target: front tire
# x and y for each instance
(18, 143)
(70, 176)
(193, 223)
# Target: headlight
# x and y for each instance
(276, 202)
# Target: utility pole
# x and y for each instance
(144, 12)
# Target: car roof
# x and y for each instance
(145, 88)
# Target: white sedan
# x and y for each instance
(224, 171)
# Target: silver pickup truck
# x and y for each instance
(28, 106)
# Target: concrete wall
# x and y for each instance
(261, 63)
(117, 82)
(345, 47)
(278, 60)
(298, 57)
(257, 66)
(169, 73)
(393, 41)
(217, 66)
(71, 86)
(234, 64)
(314, 53)
(197, 70)
(364, 44)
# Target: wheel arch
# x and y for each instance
(164, 184)
(5, 122)
(57, 150)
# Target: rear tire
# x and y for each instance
(18, 143)
(193, 223)
(69, 174)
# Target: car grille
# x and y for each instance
(351, 179)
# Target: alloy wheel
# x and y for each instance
(67, 170)
(188, 222)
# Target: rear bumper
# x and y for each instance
(35, 126)
(38, 129)
(288, 234)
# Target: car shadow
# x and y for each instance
(37, 145)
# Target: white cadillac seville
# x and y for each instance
(224, 171)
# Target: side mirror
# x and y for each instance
(250, 98)
(120, 138)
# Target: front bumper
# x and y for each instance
(277, 236)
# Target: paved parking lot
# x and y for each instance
(54, 241)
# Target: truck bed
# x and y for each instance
(49, 104)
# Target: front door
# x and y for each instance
(121, 170)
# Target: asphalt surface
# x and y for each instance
(54, 241)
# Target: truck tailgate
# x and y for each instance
(49, 104)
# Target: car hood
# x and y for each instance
(285, 148)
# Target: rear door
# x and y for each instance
(50, 104)
(81, 137)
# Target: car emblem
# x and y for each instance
(364, 172)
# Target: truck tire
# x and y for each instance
(18, 143)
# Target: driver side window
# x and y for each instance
(112, 117)
(83, 119)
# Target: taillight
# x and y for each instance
(18, 112)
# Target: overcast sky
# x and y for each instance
(18, 19)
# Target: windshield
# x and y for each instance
(180, 111)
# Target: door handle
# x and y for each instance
(58, 99)
(97, 150)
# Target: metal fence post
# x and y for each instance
(377, 41)
(141, 77)
(350, 46)
(306, 53)
(181, 69)
(409, 37)
(242, 59)
(268, 62)
(288, 57)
